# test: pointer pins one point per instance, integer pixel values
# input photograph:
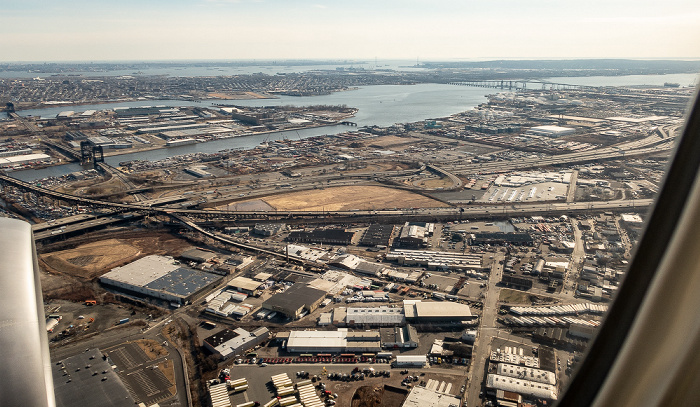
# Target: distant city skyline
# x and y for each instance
(78, 30)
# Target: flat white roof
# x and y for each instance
(520, 386)
(143, 270)
(244, 283)
(15, 159)
(441, 309)
(552, 129)
(411, 358)
(527, 373)
(422, 397)
(320, 339)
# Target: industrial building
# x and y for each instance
(24, 159)
(414, 235)
(528, 373)
(410, 360)
(227, 343)
(521, 283)
(373, 316)
(244, 284)
(436, 311)
(268, 229)
(399, 337)
(425, 397)
(413, 311)
(323, 236)
(499, 238)
(527, 388)
(551, 131)
(333, 341)
(160, 277)
(434, 260)
(197, 255)
(295, 300)
(377, 235)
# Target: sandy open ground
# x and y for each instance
(90, 259)
(350, 197)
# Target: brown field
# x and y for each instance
(153, 349)
(434, 183)
(168, 369)
(377, 167)
(90, 259)
(351, 197)
(387, 141)
(93, 258)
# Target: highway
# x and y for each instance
(490, 210)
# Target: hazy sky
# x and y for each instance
(394, 29)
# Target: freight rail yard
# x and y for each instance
(463, 260)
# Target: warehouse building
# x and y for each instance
(228, 342)
(528, 373)
(436, 311)
(527, 388)
(24, 159)
(244, 284)
(295, 300)
(434, 260)
(551, 131)
(339, 341)
(197, 255)
(399, 337)
(521, 283)
(160, 277)
(424, 397)
(377, 235)
(269, 229)
(323, 236)
(499, 238)
(414, 235)
(373, 316)
(410, 360)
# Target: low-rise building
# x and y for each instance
(227, 343)
(528, 388)
(424, 397)
(295, 300)
(399, 337)
(339, 341)
(269, 229)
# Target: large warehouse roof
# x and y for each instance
(294, 298)
(523, 372)
(143, 270)
(153, 275)
(436, 309)
(244, 283)
(183, 282)
(524, 387)
(375, 316)
(317, 339)
(422, 397)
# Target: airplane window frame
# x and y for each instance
(664, 217)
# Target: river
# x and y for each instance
(381, 105)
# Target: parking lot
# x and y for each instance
(261, 389)
(141, 375)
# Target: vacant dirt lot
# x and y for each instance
(90, 259)
(393, 141)
(352, 197)
(378, 396)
